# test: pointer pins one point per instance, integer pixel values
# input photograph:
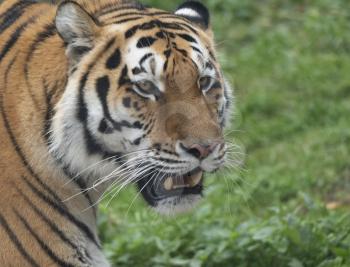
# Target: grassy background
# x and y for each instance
(289, 205)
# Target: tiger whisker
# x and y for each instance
(106, 159)
(120, 188)
(140, 191)
(109, 191)
(100, 181)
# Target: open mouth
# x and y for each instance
(160, 186)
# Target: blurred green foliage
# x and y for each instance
(290, 64)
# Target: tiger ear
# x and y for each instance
(196, 12)
(77, 28)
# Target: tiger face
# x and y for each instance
(145, 101)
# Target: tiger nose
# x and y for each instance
(200, 151)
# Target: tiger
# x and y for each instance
(96, 95)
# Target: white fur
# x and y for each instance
(133, 57)
(187, 12)
(177, 205)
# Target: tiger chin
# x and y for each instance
(96, 95)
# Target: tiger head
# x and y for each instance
(145, 100)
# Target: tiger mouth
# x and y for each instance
(168, 185)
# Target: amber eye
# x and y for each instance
(146, 88)
(205, 82)
(145, 85)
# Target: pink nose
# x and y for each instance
(201, 151)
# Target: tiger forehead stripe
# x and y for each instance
(116, 17)
(112, 8)
(187, 37)
(151, 25)
(145, 41)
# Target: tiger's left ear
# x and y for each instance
(196, 12)
(77, 28)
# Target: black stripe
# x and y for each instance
(187, 37)
(126, 20)
(49, 31)
(137, 70)
(9, 67)
(16, 145)
(197, 50)
(104, 128)
(12, 15)
(16, 242)
(165, 66)
(80, 182)
(82, 109)
(167, 53)
(211, 54)
(114, 60)
(161, 34)
(145, 57)
(168, 25)
(182, 51)
(132, 6)
(49, 110)
(120, 15)
(102, 88)
(42, 244)
(188, 27)
(21, 155)
(60, 208)
(82, 113)
(136, 15)
(145, 41)
(14, 37)
(152, 24)
(53, 226)
(124, 79)
(118, 125)
(46, 134)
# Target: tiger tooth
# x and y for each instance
(168, 184)
(195, 179)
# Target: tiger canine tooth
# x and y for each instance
(168, 183)
(195, 179)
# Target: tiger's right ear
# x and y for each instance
(77, 28)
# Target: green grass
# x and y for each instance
(290, 64)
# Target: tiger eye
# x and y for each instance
(204, 82)
(146, 86)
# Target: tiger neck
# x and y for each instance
(46, 78)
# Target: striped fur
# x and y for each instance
(70, 112)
